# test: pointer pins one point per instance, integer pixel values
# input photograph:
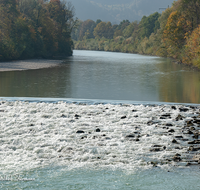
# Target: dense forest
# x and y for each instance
(35, 28)
(175, 33)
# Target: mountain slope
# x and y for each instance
(117, 10)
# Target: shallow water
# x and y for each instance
(40, 146)
(87, 179)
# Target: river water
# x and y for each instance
(109, 76)
(40, 148)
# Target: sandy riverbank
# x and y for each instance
(28, 64)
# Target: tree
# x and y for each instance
(175, 33)
(149, 24)
(87, 26)
(35, 28)
(63, 15)
(103, 29)
(191, 9)
(119, 29)
(128, 31)
(192, 51)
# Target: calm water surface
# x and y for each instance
(106, 75)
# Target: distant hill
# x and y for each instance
(117, 10)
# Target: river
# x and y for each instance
(41, 149)
(108, 76)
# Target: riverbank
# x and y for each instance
(28, 64)
(111, 46)
(97, 136)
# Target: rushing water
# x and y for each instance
(39, 147)
(106, 75)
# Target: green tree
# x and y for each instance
(103, 29)
(149, 24)
(119, 29)
(128, 31)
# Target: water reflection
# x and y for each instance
(179, 84)
(106, 75)
(35, 83)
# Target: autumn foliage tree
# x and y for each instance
(175, 33)
(192, 49)
(35, 28)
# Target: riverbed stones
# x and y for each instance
(174, 141)
(115, 130)
(157, 148)
(171, 131)
(80, 131)
(192, 148)
(98, 130)
(194, 142)
(196, 158)
(130, 136)
(169, 124)
(173, 107)
(177, 158)
(77, 116)
(197, 121)
(179, 117)
(179, 137)
(189, 123)
(183, 109)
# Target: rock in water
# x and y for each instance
(80, 131)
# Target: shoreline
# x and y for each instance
(29, 64)
(191, 66)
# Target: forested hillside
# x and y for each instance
(174, 33)
(116, 11)
(35, 28)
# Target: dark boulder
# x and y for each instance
(80, 131)
(171, 131)
(192, 148)
(130, 136)
(166, 115)
(174, 141)
(189, 123)
(134, 110)
(196, 121)
(77, 116)
(179, 137)
(63, 116)
(98, 130)
(194, 142)
(156, 149)
(177, 158)
(183, 109)
(169, 124)
(173, 107)
(179, 117)
(189, 132)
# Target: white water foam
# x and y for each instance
(43, 134)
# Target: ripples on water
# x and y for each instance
(109, 76)
(33, 136)
(40, 141)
